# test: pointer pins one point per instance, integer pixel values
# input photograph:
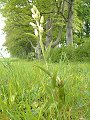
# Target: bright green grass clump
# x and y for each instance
(26, 91)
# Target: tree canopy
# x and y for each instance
(64, 19)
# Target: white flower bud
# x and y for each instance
(32, 10)
(33, 16)
(38, 13)
(32, 24)
(36, 32)
(36, 16)
(42, 20)
(41, 29)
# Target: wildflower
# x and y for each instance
(36, 32)
(38, 13)
(35, 8)
(33, 25)
(33, 16)
(36, 16)
(32, 10)
(42, 20)
(41, 29)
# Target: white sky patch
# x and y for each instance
(2, 39)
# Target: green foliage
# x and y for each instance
(30, 56)
(26, 91)
(72, 53)
(55, 54)
(17, 27)
(83, 12)
(18, 16)
(83, 52)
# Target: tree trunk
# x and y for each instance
(57, 41)
(49, 31)
(69, 33)
(38, 51)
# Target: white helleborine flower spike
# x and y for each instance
(36, 32)
(42, 20)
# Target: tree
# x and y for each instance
(69, 26)
(17, 16)
(84, 15)
(58, 15)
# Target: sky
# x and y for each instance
(2, 39)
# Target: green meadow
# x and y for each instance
(47, 76)
(27, 93)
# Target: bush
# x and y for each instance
(31, 56)
(64, 53)
(72, 53)
(55, 54)
(83, 52)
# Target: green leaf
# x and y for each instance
(45, 70)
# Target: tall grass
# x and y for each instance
(26, 92)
